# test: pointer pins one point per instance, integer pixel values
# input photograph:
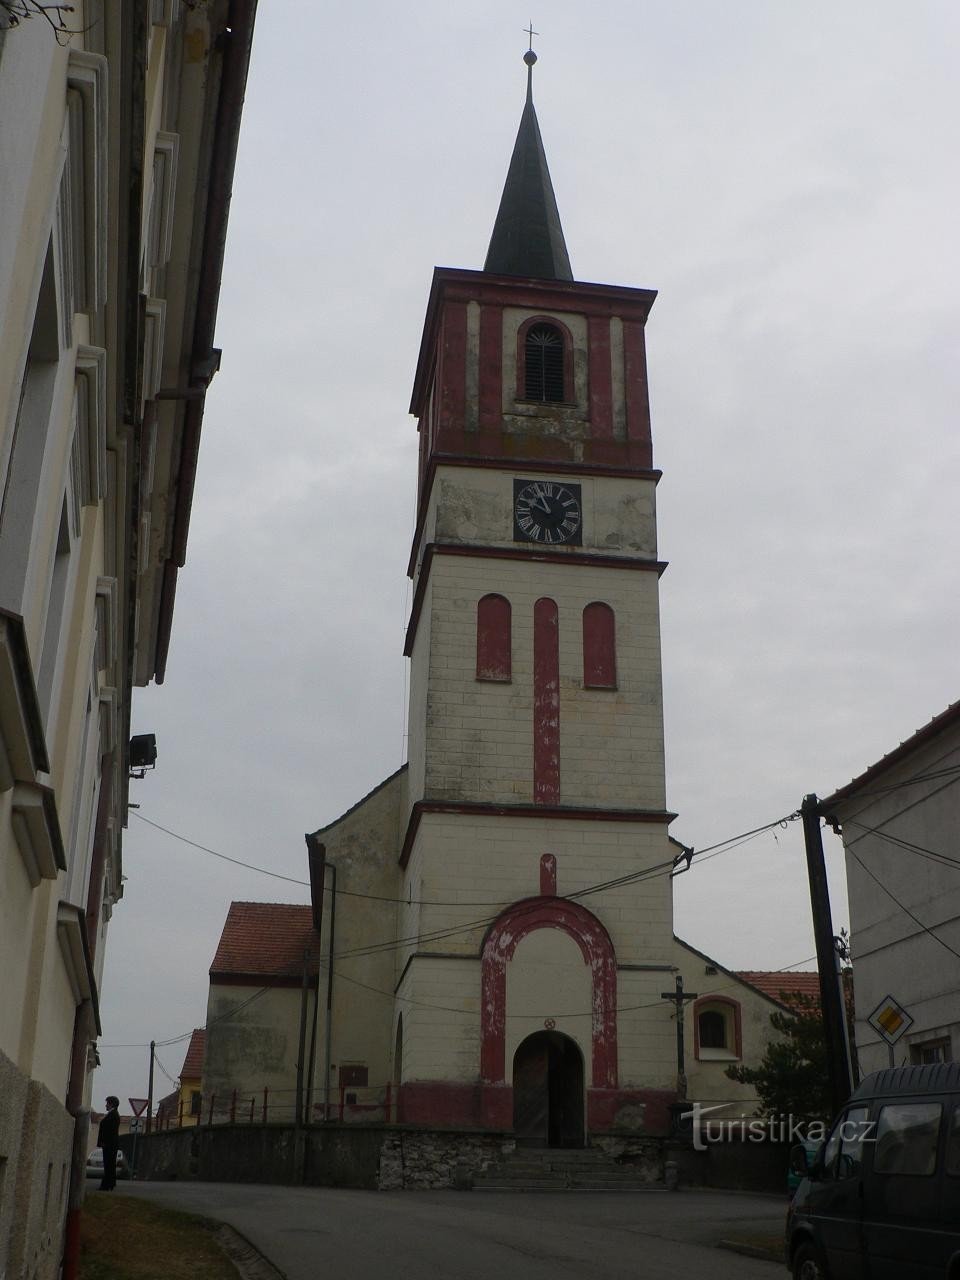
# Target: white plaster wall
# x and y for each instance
(440, 1002)
(483, 863)
(548, 978)
(254, 1047)
(475, 505)
(417, 701)
(32, 110)
(646, 1036)
(479, 734)
(892, 954)
(707, 1081)
(363, 844)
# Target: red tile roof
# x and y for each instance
(266, 939)
(804, 982)
(192, 1068)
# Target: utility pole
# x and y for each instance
(153, 1053)
(831, 1005)
(679, 998)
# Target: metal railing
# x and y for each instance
(345, 1104)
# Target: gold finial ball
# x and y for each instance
(529, 57)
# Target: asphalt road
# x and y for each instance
(308, 1232)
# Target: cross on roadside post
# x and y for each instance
(678, 997)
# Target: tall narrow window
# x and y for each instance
(543, 357)
(494, 655)
(599, 647)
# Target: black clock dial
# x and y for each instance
(548, 512)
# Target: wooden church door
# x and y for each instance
(548, 1091)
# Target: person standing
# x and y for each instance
(108, 1140)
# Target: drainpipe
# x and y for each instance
(312, 1062)
(329, 1027)
(81, 1128)
(302, 1039)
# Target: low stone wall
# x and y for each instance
(367, 1157)
(644, 1156)
(400, 1157)
(36, 1145)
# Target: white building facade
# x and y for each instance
(899, 821)
(116, 148)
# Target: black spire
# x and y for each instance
(527, 237)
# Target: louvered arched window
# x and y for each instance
(494, 649)
(599, 647)
(543, 363)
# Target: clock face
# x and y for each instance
(548, 512)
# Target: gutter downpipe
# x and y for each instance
(328, 1030)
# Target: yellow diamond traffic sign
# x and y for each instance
(890, 1019)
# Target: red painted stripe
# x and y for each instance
(596, 947)
(546, 702)
(548, 875)
(599, 647)
(452, 376)
(635, 380)
(493, 638)
(601, 378)
(491, 368)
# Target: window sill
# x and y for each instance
(716, 1055)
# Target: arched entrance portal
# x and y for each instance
(548, 1091)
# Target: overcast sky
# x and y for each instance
(787, 178)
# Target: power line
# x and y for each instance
(647, 873)
(703, 855)
(946, 946)
(933, 776)
(908, 846)
(658, 869)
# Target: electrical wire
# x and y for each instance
(932, 855)
(903, 907)
(934, 776)
(658, 869)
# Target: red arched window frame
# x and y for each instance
(569, 394)
(494, 647)
(731, 1012)
(599, 647)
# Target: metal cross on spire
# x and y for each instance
(530, 58)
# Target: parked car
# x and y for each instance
(802, 1158)
(95, 1164)
(882, 1199)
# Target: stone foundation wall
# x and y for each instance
(400, 1157)
(36, 1144)
(417, 1160)
(645, 1156)
(366, 1157)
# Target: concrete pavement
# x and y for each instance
(445, 1235)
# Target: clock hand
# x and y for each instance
(541, 499)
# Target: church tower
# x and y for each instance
(537, 912)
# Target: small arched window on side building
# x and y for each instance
(494, 646)
(717, 1029)
(544, 363)
(599, 647)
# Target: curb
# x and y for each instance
(751, 1250)
(249, 1261)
